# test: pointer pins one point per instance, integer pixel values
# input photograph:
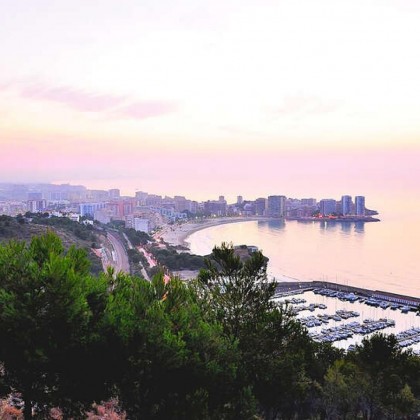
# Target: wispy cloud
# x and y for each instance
(142, 110)
(82, 100)
(78, 99)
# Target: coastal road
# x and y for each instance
(120, 257)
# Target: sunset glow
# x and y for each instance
(208, 98)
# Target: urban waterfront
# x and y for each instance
(377, 256)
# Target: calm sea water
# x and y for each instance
(379, 256)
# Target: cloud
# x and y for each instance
(4, 86)
(112, 106)
(78, 99)
(147, 109)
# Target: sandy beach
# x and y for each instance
(177, 234)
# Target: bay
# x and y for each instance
(379, 256)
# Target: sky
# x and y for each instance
(204, 98)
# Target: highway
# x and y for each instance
(120, 257)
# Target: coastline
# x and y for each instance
(176, 235)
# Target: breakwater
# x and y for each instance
(301, 286)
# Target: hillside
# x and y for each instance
(71, 233)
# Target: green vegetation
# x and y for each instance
(214, 348)
(174, 260)
(80, 230)
(20, 228)
(50, 309)
(137, 260)
(137, 238)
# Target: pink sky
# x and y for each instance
(304, 98)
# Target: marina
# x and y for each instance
(345, 318)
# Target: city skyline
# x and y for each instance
(309, 97)
(105, 205)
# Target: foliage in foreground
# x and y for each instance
(218, 348)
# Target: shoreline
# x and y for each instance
(176, 235)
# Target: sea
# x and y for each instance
(381, 255)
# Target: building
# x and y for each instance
(74, 217)
(260, 205)
(141, 225)
(193, 207)
(96, 195)
(276, 205)
(141, 198)
(153, 200)
(346, 205)
(114, 194)
(216, 208)
(359, 205)
(327, 206)
(103, 215)
(181, 203)
(34, 206)
(89, 209)
(249, 208)
(121, 208)
(311, 202)
(239, 200)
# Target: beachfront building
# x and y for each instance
(360, 205)
(327, 206)
(310, 202)
(346, 205)
(216, 208)
(260, 206)
(276, 205)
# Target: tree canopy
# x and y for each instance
(219, 347)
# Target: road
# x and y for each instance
(120, 257)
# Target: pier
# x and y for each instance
(290, 288)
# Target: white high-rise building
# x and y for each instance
(276, 205)
(360, 205)
(346, 205)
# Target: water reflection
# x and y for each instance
(328, 225)
(359, 227)
(346, 227)
(275, 224)
(349, 253)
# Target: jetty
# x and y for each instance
(346, 292)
